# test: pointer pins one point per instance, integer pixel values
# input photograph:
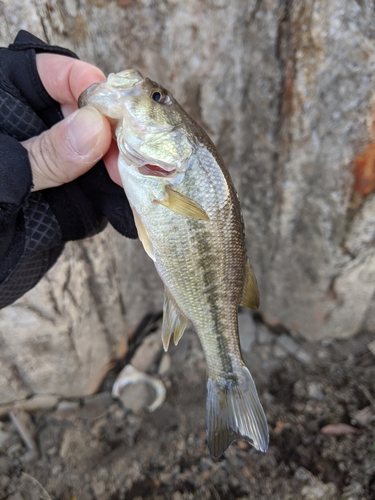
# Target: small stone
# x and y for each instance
(265, 352)
(165, 477)
(165, 364)
(205, 463)
(279, 352)
(319, 491)
(148, 353)
(353, 491)
(299, 389)
(303, 357)
(67, 405)
(14, 449)
(323, 354)
(52, 451)
(72, 443)
(102, 399)
(364, 416)
(16, 496)
(56, 470)
(246, 330)
(371, 347)
(5, 409)
(98, 487)
(314, 391)
(264, 335)
(287, 343)
(103, 474)
(4, 436)
(38, 403)
(4, 480)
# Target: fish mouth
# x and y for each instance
(155, 171)
(107, 96)
(147, 166)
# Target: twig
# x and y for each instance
(214, 491)
(368, 395)
(18, 419)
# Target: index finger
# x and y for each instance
(65, 78)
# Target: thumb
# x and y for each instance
(69, 148)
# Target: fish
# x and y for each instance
(189, 220)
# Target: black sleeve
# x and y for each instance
(34, 226)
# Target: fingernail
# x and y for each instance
(84, 129)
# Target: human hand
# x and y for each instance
(74, 145)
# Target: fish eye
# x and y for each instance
(157, 96)
(160, 97)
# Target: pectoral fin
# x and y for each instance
(143, 236)
(182, 205)
(250, 295)
(174, 322)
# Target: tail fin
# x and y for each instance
(234, 412)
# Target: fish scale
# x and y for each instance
(189, 220)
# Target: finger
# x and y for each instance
(65, 78)
(69, 148)
(111, 161)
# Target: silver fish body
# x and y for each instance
(189, 221)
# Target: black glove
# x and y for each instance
(83, 205)
(33, 226)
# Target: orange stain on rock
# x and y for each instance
(364, 171)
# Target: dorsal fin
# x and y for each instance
(250, 294)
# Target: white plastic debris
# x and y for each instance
(130, 375)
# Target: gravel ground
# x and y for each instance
(319, 400)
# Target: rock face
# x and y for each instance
(286, 91)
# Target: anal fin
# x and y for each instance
(250, 294)
(174, 322)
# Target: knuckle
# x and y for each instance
(44, 159)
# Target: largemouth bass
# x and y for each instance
(189, 220)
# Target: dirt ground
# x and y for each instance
(319, 400)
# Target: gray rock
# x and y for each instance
(39, 402)
(314, 391)
(4, 436)
(364, 416)
(16, 496)
(371, 347)
(319, 491)
(67, 405)
(303, 357)
(299, 389)
(148, 353)
(165, 364)
(353, 491)
(287, 343)
(247, 331)
(4, 481)
(279, 352)
(264, 334)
